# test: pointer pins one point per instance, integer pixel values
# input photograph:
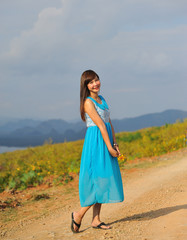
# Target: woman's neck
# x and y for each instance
(94, 96)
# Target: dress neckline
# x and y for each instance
(102, 105)
(96, 101)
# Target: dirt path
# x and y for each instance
(155, 207)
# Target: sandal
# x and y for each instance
(73, 222)
(102, 224)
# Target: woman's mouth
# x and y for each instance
(96, 88)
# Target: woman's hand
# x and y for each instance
(113, 152)
(117, 149)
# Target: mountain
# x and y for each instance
(12, 125)
(148, 120)
(28, 132)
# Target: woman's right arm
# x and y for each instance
(89, 108)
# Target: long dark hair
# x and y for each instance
(86, 77)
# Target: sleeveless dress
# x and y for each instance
(99, 178)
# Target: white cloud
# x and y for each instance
(51, 44)
(135, 42)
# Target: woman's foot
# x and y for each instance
(100, 225)
(76, 221)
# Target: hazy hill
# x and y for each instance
(12, 125)
(28, 132)
(149, 120)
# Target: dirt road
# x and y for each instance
(155, 208)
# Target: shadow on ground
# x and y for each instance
(151, 214)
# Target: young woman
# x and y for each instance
(99, 178)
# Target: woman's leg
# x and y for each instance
(79, 215)
(96, 216)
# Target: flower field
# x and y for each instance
(153, 141)
(56, 163)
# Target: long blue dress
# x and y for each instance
(100, 178)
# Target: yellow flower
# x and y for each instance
(48, 173)
(121, 158)
(18, 169)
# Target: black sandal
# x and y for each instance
(101, 224)
(73, 222)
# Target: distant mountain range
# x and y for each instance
(28, 132)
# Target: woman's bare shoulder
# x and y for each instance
(88, 105)
(88, 102)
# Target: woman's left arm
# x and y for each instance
(114, 138)
(113, 133)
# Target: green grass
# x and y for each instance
(55, 164)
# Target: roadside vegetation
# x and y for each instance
(55, 164)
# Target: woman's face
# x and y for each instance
(94, 85)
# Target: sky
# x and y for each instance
(137, 47)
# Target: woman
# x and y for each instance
(99, 178)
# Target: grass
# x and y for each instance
(54, 164)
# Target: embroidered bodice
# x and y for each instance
(102, 110)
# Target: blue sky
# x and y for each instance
(138, 48)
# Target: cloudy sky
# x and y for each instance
(137, 47)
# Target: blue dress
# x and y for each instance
(100, 178)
